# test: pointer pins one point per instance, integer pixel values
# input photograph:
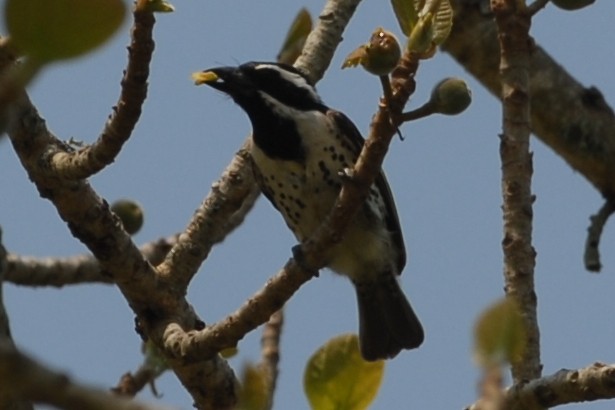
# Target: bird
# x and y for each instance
(300, 148)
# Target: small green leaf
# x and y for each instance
(443, 22)
(337, 378)
(432, 28)
(295, 38)
(406, 14)
(421, 38)
(355, 57)
(253, 394)
(49, 30)
(499, 334)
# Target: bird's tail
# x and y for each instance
(387, 323)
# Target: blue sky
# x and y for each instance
(445, 177)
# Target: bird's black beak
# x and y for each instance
(225, 79)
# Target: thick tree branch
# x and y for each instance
(574, 121)
(118, 128)
(595, 382)
(28, 380)
(323, 40)
(513, 24)
(90, 220)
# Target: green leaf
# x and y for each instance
(432, 28)
(406, 14)
(443, 22)
(337, 378)
(49, 30)
(254, 393)
(499, 334)
(295, 38)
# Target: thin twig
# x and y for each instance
(74, 270)
(270, 352)
(8, 400)
(594, 232)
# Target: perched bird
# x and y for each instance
(299, 148)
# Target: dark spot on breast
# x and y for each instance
(300, 203)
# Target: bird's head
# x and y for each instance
(257, 85)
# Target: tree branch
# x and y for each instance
(595, 382)
(270, 352)
(594, 232)
(8, 399)
(118, 128)
(75, 270)
(229, 200)
(28, 380)
(574, 121)
(90, 220)
(323, 40)
(513, 24)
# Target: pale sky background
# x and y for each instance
(445, 177)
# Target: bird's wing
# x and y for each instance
(356, 141)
